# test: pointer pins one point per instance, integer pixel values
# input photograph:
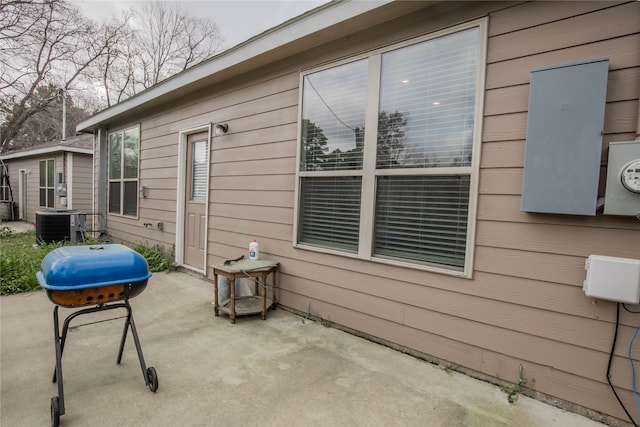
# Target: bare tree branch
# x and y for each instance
(170, 40)
(47, 46)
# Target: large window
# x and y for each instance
(124, 147)
(46, 184)
(388, 152)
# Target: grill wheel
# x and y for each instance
(55, 412)
(152, 379)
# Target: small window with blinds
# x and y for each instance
(124, 152)
(199, 168)
(389, 148)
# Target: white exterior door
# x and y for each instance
(195, 200)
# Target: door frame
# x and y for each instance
(22, 193)
(181, 195)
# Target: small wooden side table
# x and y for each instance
(258, 271)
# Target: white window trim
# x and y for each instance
(53, 186)
(368, 178)
(4, 171)
(122, 180)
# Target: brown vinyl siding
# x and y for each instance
(81, 177)
(256, 114)
(32, 184)
(559, 335)
(82, 183)
(524, 306)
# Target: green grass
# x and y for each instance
(20, 260)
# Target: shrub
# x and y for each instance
(157, 257)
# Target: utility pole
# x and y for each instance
(63, 94)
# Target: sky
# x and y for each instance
(238, 20)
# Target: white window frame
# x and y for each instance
(369, 173)
(5, 190)
(46, 187)
(122, 179)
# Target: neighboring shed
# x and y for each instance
(54, 175)
(376, 150)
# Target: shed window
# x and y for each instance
(124, 149)
(388, 148)
(46, 183)
(5, 189)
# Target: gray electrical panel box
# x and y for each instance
(564, 137)
(622, 195)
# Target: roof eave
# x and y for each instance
(47, 150)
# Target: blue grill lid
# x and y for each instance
(79, 267)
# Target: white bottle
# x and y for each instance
(254, 250)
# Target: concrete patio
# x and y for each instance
(285, 371)
(18, 226)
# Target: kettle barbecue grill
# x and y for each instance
(104, 277)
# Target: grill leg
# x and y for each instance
(63, 338)
(129, 323)
(65, 328)
(136, 340)
(58, 371)
(124, 332)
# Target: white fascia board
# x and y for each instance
(294, 29)
(47, 150)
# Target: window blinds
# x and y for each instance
(330, 212)
(422, 218)
(199, 167)
(427, 103)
